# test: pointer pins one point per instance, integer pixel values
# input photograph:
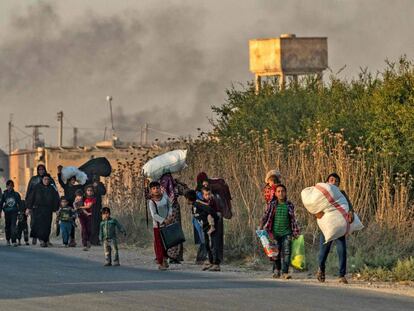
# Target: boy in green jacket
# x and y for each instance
(108, 236)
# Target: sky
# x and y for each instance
(166, 63)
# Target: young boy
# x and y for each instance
(108, 236)
(22, 226)
(161, 212)
(280, 222)
(208, 220)
(10, 203)
(66, 217)
(324, 248)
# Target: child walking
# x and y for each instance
(208, 219)
(85, 218)
(107, 234)
(22, 226)
(66, 216)
(279, 221)
(10, 203)
(161, 211)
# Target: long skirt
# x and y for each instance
(41, 223)
(159, 249)
(176, 252)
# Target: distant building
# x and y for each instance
(4, 169)
(23, 162)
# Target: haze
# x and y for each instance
(166, 62)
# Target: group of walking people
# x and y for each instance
(210, 202)
(42, 200)
(279, 221)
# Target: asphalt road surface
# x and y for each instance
(38, 279)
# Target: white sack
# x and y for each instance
(69, 171)
(333, 223)
(315, 202)
(170, 162)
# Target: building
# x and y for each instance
(23, 163)
(4, 168)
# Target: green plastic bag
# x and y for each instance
(297, 260)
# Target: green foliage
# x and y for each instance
(377, 112)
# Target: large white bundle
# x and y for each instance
(69, 171)
(170, 162)
(333, 225)
(315, 202)
(329, 199)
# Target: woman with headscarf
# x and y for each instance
(221, 203)
(169, 187)
(33, 182)
(42, 201)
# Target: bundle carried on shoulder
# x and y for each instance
(329, 199)
(69, 171)
(170, 162)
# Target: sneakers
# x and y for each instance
(343, 280)
(14, 244)
(66, 245)
(43, 244)
(320, 276)
(206, 266)
(276, 274)
(286, 276)
(215, 268)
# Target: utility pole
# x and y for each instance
(60, 132)
(109, 100)
(75, 137)
(10, 134)
(36, 134)
(146, 134)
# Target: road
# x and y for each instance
(40, 279)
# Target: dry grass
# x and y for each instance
(381, 197)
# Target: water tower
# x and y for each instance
(288, 56)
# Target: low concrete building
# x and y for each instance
(23, 163)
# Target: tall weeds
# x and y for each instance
(380, 196)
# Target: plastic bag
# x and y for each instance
(271, 248)
(297, 259)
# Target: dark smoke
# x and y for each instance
(167, 63)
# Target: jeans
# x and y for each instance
(65, 229)
(282, 261)
(111, 246)
(11, 226)
(340, 249)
